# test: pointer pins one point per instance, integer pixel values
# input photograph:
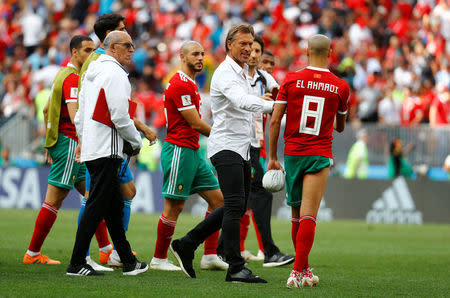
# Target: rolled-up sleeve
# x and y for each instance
(230, 87)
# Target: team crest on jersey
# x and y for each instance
(179, 188)
(317, 75)
(186, 100)
(73, 92)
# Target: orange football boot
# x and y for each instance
(39, 259)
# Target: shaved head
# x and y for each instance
(187, 45)
(319, 45)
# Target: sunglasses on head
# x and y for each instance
(128, 45)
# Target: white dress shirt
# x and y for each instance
(258, 89)
(232, 104)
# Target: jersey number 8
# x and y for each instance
(308, 114)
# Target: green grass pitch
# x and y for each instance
(352, 259)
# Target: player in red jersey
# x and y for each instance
(185, 170)
(60, 142)
(315, 101)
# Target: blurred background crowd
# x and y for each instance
(395, 55)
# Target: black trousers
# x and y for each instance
(234, 175)
(260, 202)
(105, 201)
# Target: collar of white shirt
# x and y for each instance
(243, 71)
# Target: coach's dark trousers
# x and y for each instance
(260, 202)
(234, 175)
(105, 201)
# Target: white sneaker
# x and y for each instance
(308, 278)
(95, 266)
(114, 259)
(259, 256)
(247, 255)
(163, 264)
(295, 280)
(213, 262)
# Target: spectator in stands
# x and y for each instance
(358, 157)
(14, 99)
(402, 75)
(443, 75)
(39, 58)
(368, 100)
(412, 111)
(389, 109)
(440, 108)
(32, 29)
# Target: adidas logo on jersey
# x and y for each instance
(396, 205)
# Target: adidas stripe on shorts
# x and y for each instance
(185, 172)
(65, 171)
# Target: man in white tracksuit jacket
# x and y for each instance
(102, 150)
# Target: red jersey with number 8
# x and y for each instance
(313, 96)
(181, 94)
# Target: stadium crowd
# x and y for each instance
(395, 55)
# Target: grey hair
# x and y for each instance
(112, 37)
(187, 44)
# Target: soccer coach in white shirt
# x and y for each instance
(232, 106)
(229, 141)
(102, 149)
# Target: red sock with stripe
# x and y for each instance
(211, 241)
(245, 222)
(165, 232)
(44, 222)
(295, 223)
(258, 234)
(102, 234)
(305, 240)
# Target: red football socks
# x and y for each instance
(258, 234)
(245, 222)
(211, 241)
(165, 232)
(102, 234)
(42, 227)
(295, 223)
(305, 240)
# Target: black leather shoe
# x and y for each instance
(184, 256)
(278, 259)
(245, 275)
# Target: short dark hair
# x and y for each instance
(106, 22)
(259, 40)
(268, 53)
(77, 40)
(243, 28)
